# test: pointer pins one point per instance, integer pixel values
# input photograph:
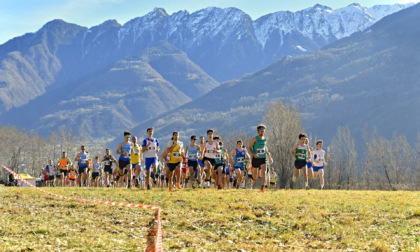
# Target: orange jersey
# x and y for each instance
(64, 164)
(72, 174)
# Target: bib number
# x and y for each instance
(151, 148)
(301, 156)
(177, 154)
(192, 156)
(218, 156)
(83, 161)
(106, 162)
(260, 151)
(210, 151)
(240, 160)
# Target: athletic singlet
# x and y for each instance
(63, 164)
(175, 154)
(136, 158)
(259, 147)
(240, 158)
(301, 150)
(151, 150)
(50, 169)
(72, 174)
(218, 156)
(273, 177)
(319, 158)
(107, 162)
(96, 167)
(83, 160)
(192, 153)
(210, 153)
(125, 148)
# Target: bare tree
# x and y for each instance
(284, 124)
(342, 171)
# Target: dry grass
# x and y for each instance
(207, 219)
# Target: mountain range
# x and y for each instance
(369, 78)
(110, 77)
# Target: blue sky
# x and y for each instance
(18, 17)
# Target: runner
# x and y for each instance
(184, 169)
(82, 159)
(218, 172)
(175, 149)
(63, 164)
(72, 175)
(124, 161)
(162, 174)
(192, 152)
(50, 172)
(301, 152)
(107, 160)
(209, 154)
(319, 162)
(96, 168)
(309, 159)
(136, 152)
(201, 169)
(273, 178)
(238, 157)
(258, 149)
(150, 148)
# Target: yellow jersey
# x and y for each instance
(136, 158)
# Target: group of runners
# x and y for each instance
(201, 163)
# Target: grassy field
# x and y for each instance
(208, 219)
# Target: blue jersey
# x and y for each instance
(240, 158)
(125, 148)
(96, 167)
(193, 153)
(83, 160)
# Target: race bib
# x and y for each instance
(136, 151)
(302, 156)
(151, 148)
(240, 160)
(210, 151)
(107, 162)
(177, 154)
(64, 167)
(192, 156)
(218, 155)
(83, 161)
(260, 151)
(127, 156)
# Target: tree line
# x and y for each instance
(385, 164)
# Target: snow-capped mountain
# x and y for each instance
(214, 44)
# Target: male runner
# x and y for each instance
(319, 162)
(192, 153)
(258, 149)
(82, 159)
(150, 148)
(50, 170)
(209, 154)
(301, 152)
(63, 164)
(108, 159)
(96, 168)
(238, 157)
(124, 161)
(136, 152)
(175, 149)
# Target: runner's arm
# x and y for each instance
(293, 153)
(118, 152)
(251, 146)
